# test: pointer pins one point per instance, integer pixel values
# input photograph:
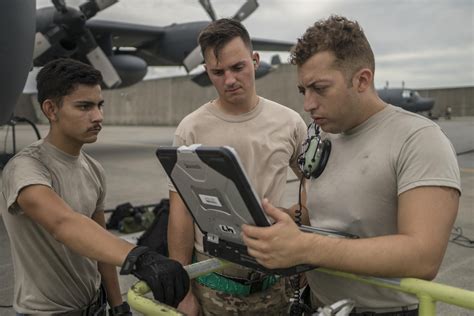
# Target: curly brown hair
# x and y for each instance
(343, 37)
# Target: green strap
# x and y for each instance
(228, 286)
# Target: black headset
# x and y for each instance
(315, 154)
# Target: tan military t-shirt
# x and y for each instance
(369, 166)
(48, 276)
(267, 139)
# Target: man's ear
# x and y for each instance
(50, 109)
(362, 80)
(256, 59)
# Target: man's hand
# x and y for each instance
(276, 246)
(190, 305)
(167, 279)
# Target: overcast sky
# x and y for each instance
(424, 43)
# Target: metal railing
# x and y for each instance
(428, 293)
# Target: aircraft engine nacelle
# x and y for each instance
(131, 69)
(178, 41)
(17, 30)
(263, 69)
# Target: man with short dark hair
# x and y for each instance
(267, 136)
(392, 178)
(54, 212)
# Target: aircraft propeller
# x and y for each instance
(195, 58)
(68, 35)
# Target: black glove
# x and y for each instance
(121, 310)
(167, 279)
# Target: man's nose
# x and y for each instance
(97, 114)
(310, 102)
(229, 78)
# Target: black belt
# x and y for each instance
(99, 306)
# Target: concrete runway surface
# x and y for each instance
(134, 175)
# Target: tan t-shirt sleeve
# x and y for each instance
(420, 160)
(20, 173)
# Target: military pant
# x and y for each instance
(272, 301)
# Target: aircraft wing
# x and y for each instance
(126, 34)
(162, 46)
(271, 45)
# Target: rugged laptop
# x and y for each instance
(213, 185)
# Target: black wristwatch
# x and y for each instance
(132, 257)
(121, 309)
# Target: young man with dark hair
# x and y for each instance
(63, 258)
(267, 136)
(392, 178)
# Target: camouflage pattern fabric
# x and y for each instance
(273, 301)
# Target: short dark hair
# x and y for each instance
(60, 77)
(218, 33)
(343, 37)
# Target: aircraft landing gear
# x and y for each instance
(5, 157)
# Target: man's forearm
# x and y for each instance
(79, 233)
(424, 223)
(180, 245)
(180, 231)
(385, 256)
(84, 236)
(111, 283)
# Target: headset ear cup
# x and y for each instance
(325, 151)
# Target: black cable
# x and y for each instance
(6, 306)
(465, 152)
(459, 238)
(33, 125)
(298, 307)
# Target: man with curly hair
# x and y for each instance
(392, 178)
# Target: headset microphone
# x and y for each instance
(315, 153)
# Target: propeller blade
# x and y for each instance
(42, 44)
(96, 56)
(60, 5)
(193, 59)
(101, 62)
(245, 10)
(91, 7)
(206, 4)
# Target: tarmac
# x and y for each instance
(134, 175)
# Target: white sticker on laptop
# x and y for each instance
(227, 229)
(210, 200)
